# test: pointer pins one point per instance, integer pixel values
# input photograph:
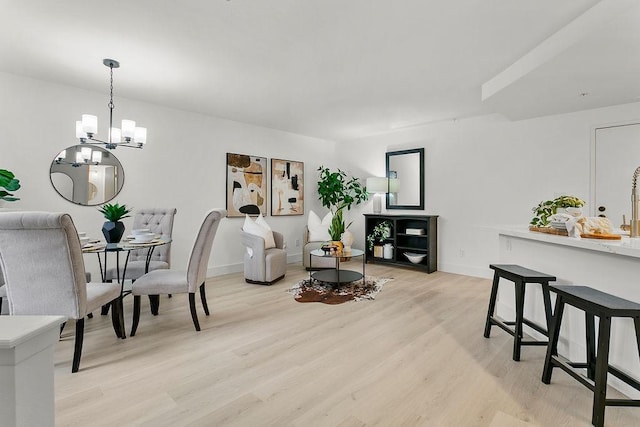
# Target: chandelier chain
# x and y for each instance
(111, 105)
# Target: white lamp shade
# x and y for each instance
(96, 157)
(377, 185)
(140, 136)
(394, 185)
(116, 135)
(79, 132)
(89, 124)
(85, 153)
(128, 129)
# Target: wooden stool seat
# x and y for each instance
(605, 306)
(520, 276)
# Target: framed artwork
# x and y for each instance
(287, 187)
(246, 185)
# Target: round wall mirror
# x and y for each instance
(87, 175)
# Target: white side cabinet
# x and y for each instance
(26, 369)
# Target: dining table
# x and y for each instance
(103, 250)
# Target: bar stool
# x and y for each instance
(604, 306)
(520, 276)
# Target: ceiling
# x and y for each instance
(335, 69)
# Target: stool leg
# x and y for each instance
(492, 305)
(554, 334)
(517, 339)
(636, 322)
(546, 298)
(590, 329)
(602, 366)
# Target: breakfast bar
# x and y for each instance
(612, 266)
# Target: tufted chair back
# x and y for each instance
(159, 221)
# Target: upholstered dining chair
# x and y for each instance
(160, 222)
(180, 282)
(41, 259)
(263, 266)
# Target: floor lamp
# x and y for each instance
(377, 186)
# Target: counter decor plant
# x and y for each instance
(338, 192)
(113, 229)
(8, 182)
(546, 208)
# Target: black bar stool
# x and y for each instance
(604, 306)
(520, 276)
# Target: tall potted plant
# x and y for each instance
(338, 192)
(113, 229)
(8, 182)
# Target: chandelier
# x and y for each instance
(83, 157)
(127, 136)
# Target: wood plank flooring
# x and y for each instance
(415, 356)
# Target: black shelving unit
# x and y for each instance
(426, 243)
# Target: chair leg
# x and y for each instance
(554, 335)
(492, 305)
(62, 327)
(154, 302)
(136, 314)
(203, 297)
(192, 307)
(105, 310)
(77, 352)
(0, 305)
(116, 317)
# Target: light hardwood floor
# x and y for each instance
(414, 356)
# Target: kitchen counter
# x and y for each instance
(612, 266)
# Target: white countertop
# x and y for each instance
(15, 330)
(625, 247)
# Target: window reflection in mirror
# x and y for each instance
(86, 175)
(405, 170)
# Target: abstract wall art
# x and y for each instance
(287, 187)
(246, 185)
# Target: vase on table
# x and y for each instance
(113, 231)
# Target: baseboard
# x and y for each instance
(220, 270)
(485, 273)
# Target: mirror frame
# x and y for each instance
(57, 165)
(420, 151)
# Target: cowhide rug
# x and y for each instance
(314, 291)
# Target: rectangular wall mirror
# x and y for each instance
(405, 170)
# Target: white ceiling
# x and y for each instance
(335, 69)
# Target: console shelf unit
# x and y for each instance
(402, 242)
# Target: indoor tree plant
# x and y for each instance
(113, 229)
(546, 208)
(8, 182)
(338, 192)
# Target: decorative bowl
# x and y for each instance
(144, 238)
(414, 258)
(140, 231)
(574, 211)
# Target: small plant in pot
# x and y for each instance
(113, 229)
(546, 208)
(378, 235)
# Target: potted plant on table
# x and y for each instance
(546, 208)
(338, 192)
(8, 182)
(113, 229)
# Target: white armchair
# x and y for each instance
(263, 266)
(315, 263)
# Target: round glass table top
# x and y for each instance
(351, 253)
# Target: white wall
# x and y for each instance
(486, 172)
(183, 164)
(480, 173)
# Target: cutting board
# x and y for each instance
(602, 236)
(549, 230)
(558, 232)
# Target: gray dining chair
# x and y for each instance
(161, 282)
(41, 259)
(160, 222)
